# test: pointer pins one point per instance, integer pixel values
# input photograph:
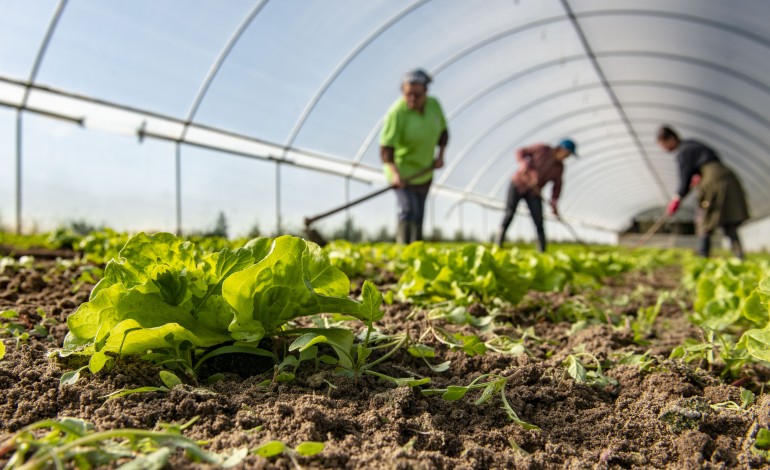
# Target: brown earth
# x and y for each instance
(656, 418)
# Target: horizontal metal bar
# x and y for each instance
(62, 117)
(270, 158)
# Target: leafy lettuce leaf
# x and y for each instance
(162, 291)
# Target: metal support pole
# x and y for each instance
(178, 171)
(461, 227)
(348, 223)
(18, 172)
(278, 229)
(484, 234)
(433, 214)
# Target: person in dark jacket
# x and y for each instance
(538, 165)
(722, 200)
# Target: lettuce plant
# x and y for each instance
(163, 292)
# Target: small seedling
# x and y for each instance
(761, 445)
(275, 448)
(747, 399)
(494, 384)
(582, 374)
(169, 380)
(74, 443)
(644, 362)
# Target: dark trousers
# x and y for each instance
(731, 231)
(535, 205)
(411, 212)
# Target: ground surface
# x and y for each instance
(368, 423)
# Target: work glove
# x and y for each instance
(694, 180)
(673, 206)
(554, 207)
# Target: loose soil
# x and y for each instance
(658, 418)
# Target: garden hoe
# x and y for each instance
(572, 231)
(315, 237)
(569, 228)
(652, 230)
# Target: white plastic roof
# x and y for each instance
(307, 82)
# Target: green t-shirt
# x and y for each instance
(413, 136)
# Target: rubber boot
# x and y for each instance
(737, 249)
(417, 232)
(414, 232)
(500, 237)
(402, 232)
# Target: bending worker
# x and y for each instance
(414, 126)
(721, 199)
(538, 165)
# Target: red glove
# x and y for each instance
(673, 206)
(694, 180)
(554, 208)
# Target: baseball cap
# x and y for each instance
(569, 144)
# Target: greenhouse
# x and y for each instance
(139, 115)
(206, 210)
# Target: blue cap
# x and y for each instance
(569, 144)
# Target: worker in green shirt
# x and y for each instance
(414, 126)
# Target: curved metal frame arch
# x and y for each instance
(540, 126)
(598, 174)
(721, 122)
(704, 131)
(665, 56)
(467, 103)
(505, 177)
(654, 84)
(730, 72)
(615, 100)
(204, 88)
(675, 57)
(27, 88)
(590, 55)
(500, 182)
(596, 171)
(582, 198)
(578, 202)
(341, 66)
(636, 191)
(681, 17)
(496, 188)
(587, 14)
(500, 122)
(217, 64)
(454, 58)
(453, 164)
(743, 163)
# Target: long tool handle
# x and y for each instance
(571, 230)
(366, 197)
(568, 226)
(652, 230)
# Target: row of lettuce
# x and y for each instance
(160, 291)
(731, 304)
(179, 303)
